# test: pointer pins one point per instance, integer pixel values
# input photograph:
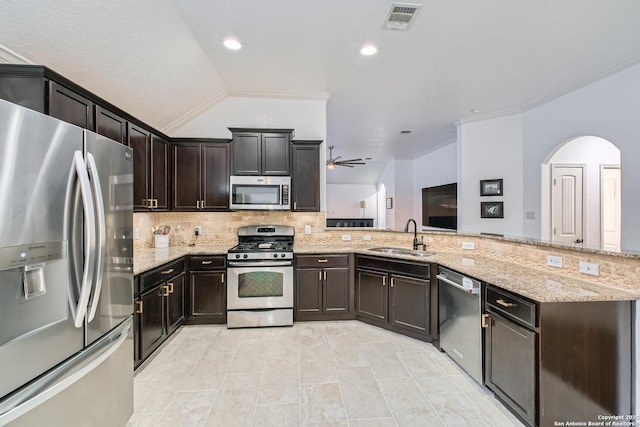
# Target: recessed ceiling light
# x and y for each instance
(368, 50)
(406, 131)
(475, 110)
(231, 43)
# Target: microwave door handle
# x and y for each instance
(79, 310)
(102, 230)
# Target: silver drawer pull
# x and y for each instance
(206, 262)
(506, 304)
(169, 271)
(323, 260)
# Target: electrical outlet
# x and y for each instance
(307, 229)
(469, 262)
(346, 237)
(137, 233)
(468, 245)
(554, 261)
(589, 268)
(198, 230)
(366, 238)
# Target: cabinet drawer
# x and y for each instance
(166, 272)
(207, 262)
(422, 271)
(322, 261)
(511, 306)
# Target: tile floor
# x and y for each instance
(314, 373)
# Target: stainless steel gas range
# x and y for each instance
(260, 277)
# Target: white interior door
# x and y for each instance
(567, 204)
(611, 208)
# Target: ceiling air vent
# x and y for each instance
(401, 16)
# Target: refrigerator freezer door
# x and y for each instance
(111, 166)
(94, 388)
(36, 330)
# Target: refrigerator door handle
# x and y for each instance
(66, 375)
(102, 231)
(79, 310)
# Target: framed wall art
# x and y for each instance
(491, 209)
(491, 187)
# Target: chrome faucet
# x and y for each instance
(416, 243)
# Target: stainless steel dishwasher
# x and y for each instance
(460, 321)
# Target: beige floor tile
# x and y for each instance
(408, 405)
(188, 409)
(312, 334)
(316, 365)
(233, 408)
(287, 415)
(373, 422)
(383, 360)
(456, 409)
(321, 405)
(143, 420)
(280, 382)
(361, 394)
(493, 411)
(427, 373)
(207, 374)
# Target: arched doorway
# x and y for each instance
(581, 202)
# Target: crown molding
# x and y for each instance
(191, 114)
(8, 56)
(280, 94)
(495, 114)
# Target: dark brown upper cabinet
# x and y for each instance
(150, 167)
(261, 151)
(201, 174)
(69, 106)
(305, 176)
(110, 125)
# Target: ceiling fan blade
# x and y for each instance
(342, 164)
(350, 163)
(351, 160)
(339, 157)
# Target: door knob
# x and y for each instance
(579, 241)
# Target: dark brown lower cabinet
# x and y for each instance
(323, 287)
(207, 290)
(159, 307)
(395, 295)
(510, 365)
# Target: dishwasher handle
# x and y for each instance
(472, 291)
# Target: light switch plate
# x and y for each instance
(138, 234)
(468, 245)
(346, 237)
(554, 261)
(307, 229)
(589, 268)
(366, 238)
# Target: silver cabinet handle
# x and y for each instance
(206, 262)
(101, 245)
(169, 271)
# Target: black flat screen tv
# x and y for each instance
(440, 206)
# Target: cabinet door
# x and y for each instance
(510, 365)
(152, 321)
(65, 104)
(410, 302)
(335, 290)
(159, 190)
(308, 290)
(247, 154)
(186, 176)
(372, 295)
(111, 125)
(275, 154)
(215, 175)
(208, 296)
(138, 140)
(305, 178)
(175, 302)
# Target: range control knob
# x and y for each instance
(245, 256)
(237, 256)
(283, 255)
(275, 255)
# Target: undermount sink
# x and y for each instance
(399, 251)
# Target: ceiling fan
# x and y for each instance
(332, 163)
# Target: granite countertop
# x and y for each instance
(535, 284)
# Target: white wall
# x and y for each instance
(490, 149)
(343, 201)
(388, 178)
(307, 117)
(592, 152)
(607, 108)
(403, 200)
(438, 167)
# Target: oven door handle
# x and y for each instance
(259, 263)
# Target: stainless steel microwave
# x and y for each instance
(259, 193)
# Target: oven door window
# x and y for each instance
(256, 195)
(260, 284)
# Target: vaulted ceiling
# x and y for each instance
(162, 59)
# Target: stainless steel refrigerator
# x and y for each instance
(66, 274)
